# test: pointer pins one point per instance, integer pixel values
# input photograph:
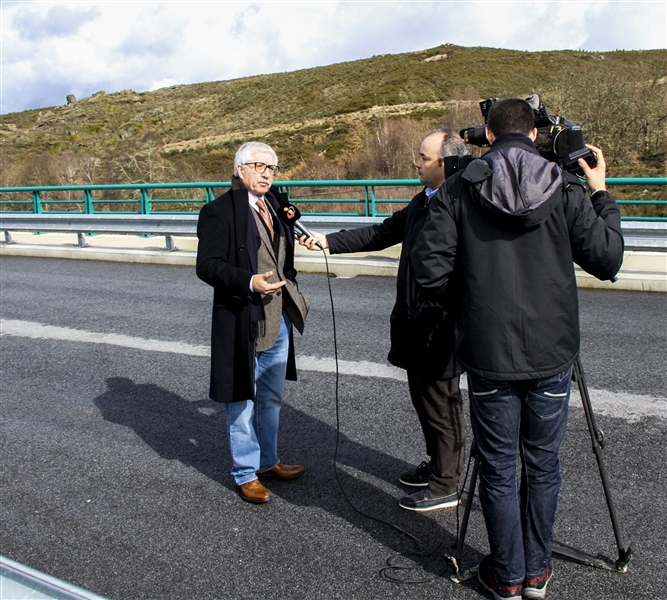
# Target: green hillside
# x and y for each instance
(362, 118)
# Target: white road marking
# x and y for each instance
(347, 367)
(49, 332)
(622, 405)
(629, 407)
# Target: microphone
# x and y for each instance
(290, 214)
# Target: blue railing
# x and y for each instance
(147, 198)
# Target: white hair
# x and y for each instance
(247, 150)
(452, 143)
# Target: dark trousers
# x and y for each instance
(440, 410)
(526, 419)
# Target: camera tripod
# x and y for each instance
(597, 438)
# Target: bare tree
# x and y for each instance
(463, 110)
(624, 114)
(390, 150)
(143, 166)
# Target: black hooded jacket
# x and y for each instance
(510, 227)
(424, 342)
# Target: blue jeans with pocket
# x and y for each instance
(252, 425)
(514, 420)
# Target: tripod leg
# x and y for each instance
(459, 577)
(598, 443)
(597, 438)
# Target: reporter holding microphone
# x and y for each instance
(422, 341)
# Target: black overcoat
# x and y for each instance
(227, 260)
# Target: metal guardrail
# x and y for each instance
(138, 224)
(88, 199)
(368, 202)
(20, 581)
(643, 235)
(166, 225)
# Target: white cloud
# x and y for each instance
(645, 24)
(162, 84)
(57, 21)
(50, 49)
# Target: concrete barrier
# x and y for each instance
(644, 271)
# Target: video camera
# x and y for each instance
(558, 139)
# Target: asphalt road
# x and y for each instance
(114, 463)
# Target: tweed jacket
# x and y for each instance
(288, 298)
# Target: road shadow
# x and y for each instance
(194, 433)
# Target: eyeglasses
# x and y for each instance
(260, 167)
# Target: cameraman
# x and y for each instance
(509, 229)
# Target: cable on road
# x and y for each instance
(392, 567)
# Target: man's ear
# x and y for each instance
(533, 134)
(490, 136)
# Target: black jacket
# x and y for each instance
(419, 342)
(510, 226)
(226, 260)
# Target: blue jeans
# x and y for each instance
(252, 425)
(526, 419)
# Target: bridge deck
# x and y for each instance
(115, 467)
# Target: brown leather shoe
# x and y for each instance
(253, 491)
(283, 471)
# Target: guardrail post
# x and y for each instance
(366, 211)
(36, 203)
(8, 238)
(283, 189)
(373, 204)
(210, 195)
(88, 206)
(145, 201)
(81, 240)
(170, 246)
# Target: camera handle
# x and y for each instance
(597, 438)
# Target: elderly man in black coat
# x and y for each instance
(423, 342)
(246, 253)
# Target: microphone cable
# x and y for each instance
(386, 572)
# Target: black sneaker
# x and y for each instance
(498, 590)
(418, 477)
(425, 499)
(535, 588)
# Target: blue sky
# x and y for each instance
(51, 49)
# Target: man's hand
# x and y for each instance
(260, 283)
(595, 178)
(311, 242)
